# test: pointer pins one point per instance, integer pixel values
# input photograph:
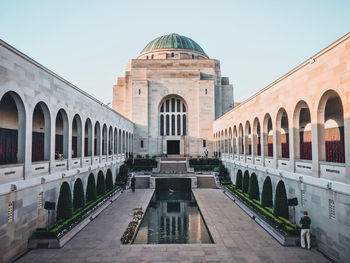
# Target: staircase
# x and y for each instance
(206, 181)
(173, 165)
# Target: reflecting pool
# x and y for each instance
(173, 218)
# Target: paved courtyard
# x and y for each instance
(237, 238)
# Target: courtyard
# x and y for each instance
(237, 238)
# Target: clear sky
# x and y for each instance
(89, 42)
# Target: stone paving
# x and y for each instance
(237, 238)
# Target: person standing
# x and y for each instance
(305, 222)
(133, 182)
(206, 153)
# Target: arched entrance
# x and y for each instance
(173, 124)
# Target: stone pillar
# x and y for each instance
(52, 143)
(25, 126)
(275, 158)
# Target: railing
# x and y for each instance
(258, 160)
(40, 167)
(76, 162)
(303, 167)
(249, 159)
(11, 172)
(87, 161)
(95, 159)
(284, 164)
(332, 170)
(269, 162)
(60, 165)
(104, 158)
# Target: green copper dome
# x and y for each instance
(173, 41)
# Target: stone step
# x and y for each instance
(206, 182)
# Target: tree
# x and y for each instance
(281, 202)
(266, 195)
(239, 179)
(101, 185)
(253, 189)
(91, 189)
(65, 204)
(123, 174)
(245, 182)
(78, 194)
(109, 180)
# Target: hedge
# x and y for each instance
(91, 189)
(101, 185)
(78, 195)
(253, 190)
(266, 195)
(281, 202)
(204, 161)
(239, 179)
(207, 167)
(123, 174)
(65, 203)
(245, 182)
(109, 180)
(280, 223)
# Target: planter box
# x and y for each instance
(283, 240)
(58, 242)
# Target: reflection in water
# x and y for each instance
(172, 218)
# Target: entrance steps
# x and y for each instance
(173, 165)
(206, 181)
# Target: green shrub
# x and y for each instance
(281, 202)
(101, 185)
(123, 174)
(253, 189)
(91, 189)
(78, 194)
(245, 182)
(65, 204)
(109, 180)
(239, 179)
(266, 195)
(216, 169)
(204, 161)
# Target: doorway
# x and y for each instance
(173, 146)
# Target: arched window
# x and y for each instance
(104, 139)
(12, 134)
(172, 117)
(331, 130)
(192, 56)
(172, 54)
(282, 134)
(88, 138)
(61, 138)
(76, 137)
(268, 136)
(110, 141)
(97, 139)
(41, 133)
(302, 135)
(115, 141)
(152, 57)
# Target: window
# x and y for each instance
(141, 143)
(161, 125)
(331, 209)
(302, 198)
(146, 57)
(178, 105)
(172, 54)
(206, 91)
(173, 124)
(152, 57)
(167, 125)
(139, 91)
(183, 107)
(162, 108)
(10, 212)
(172, 105)
(192, 56)
(184, 124)
(167, 105)
(41, 199)
(204, 143)
(178, 124)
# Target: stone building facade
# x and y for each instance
(173, 92)
(43, 116)
(297, 130)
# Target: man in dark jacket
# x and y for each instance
(305, 222)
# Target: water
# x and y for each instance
(172, 218)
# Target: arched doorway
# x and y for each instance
(173, 124)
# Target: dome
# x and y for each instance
(173, 41)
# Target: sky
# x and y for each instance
(89, 42)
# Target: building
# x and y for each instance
(173, 92)
(173, 99)
(297, 130)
